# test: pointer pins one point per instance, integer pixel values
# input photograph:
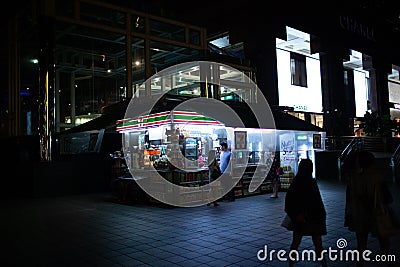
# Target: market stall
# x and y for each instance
(176, 144)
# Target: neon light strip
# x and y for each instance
(198, 122)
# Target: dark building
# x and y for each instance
(72, 61)
(89, 40)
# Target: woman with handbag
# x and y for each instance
(306, 210)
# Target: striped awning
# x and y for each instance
(164, 118)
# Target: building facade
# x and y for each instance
(358, 66)
(69, 61)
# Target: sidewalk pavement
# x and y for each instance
(95, 230)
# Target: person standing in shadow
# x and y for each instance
(304, 206)
(365, 191)
(214, 173)
(278, 171)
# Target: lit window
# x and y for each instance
(298, 69)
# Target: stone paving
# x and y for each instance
(96, 230)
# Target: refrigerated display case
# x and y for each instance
(191, 152)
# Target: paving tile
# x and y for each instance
(91, 230)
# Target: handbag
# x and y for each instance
(385, 222)
(311, 228)
(287, 223)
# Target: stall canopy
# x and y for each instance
(164, 118)
(113, 115)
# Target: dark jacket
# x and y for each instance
(303, 203)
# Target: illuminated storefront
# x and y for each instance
(177, 144)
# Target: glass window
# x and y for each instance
(29, 73)
(394, 92)
(235, 85)
(91, 70)
(167, 31)
(194, 37)
(298, 69)
(185, 82)
(102, 15)
(138, 64)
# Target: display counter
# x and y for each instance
(126, 188)
(250, 171)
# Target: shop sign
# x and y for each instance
(352, 25)
(240, 140)
(193, 118)
(301, 137)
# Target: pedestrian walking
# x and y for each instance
(367, 199)
(306, 210)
